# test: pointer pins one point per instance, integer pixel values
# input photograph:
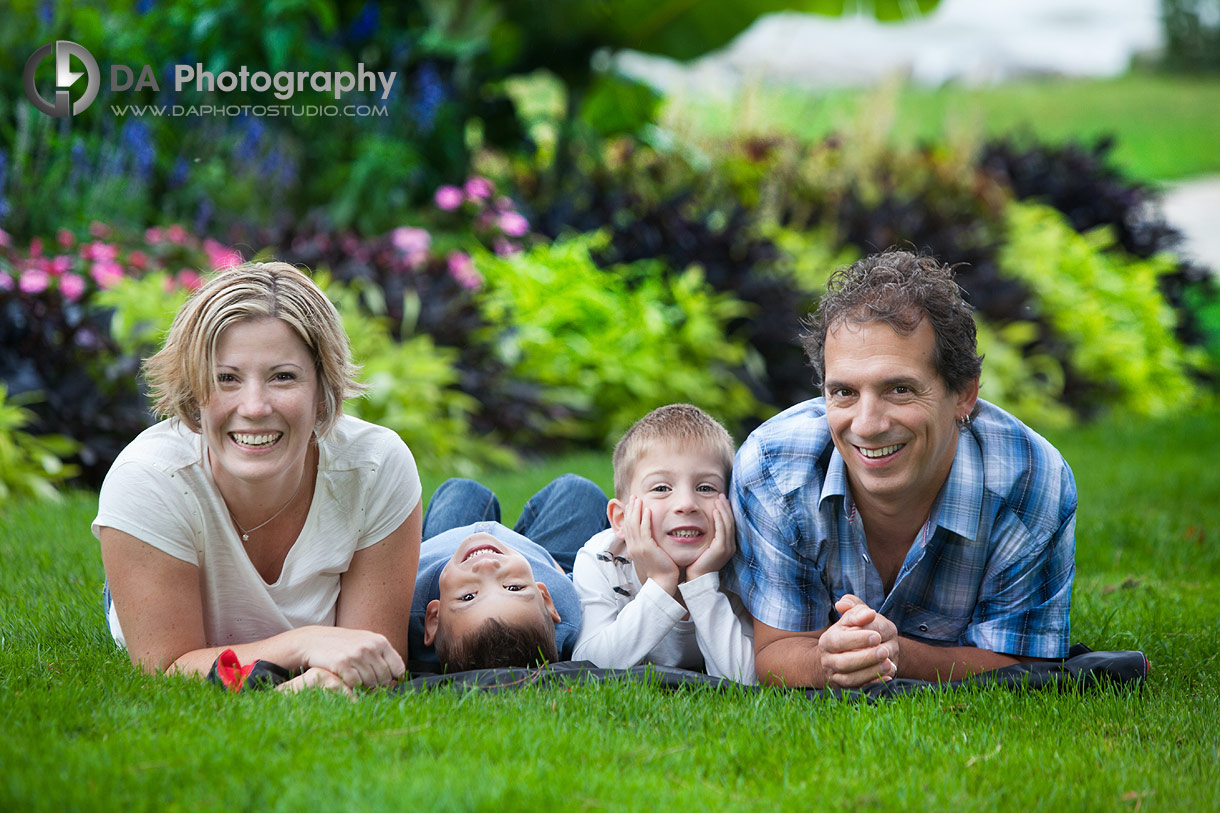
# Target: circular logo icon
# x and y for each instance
(65, 78)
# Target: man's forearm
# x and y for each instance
(790, 662)
(919, 661)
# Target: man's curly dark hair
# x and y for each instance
(900, 289)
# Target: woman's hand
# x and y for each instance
(357, 657)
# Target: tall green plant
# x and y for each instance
(611, 345)
(29, 466)
(1107, 305)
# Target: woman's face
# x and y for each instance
(264, 405)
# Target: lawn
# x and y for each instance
(85, 731)
(1165, 127)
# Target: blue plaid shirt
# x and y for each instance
(991, 568)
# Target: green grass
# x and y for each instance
(1166, 127)
(83, 730)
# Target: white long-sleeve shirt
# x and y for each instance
(627, 623)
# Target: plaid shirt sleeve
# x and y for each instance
(775, 569)
(1026, 593)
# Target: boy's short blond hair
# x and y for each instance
(681, 424)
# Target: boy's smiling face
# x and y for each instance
(680, 487)
(486, 579)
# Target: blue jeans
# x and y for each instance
(562, 517)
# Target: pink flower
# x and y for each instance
(36, 247)
(6, 282)
(72, 286)
(410, 240)
(220, 256)
(479, 188)
(106, 273)
(33, 281)
(448, 198)
(66, 238)
(513, 224)
(462, 269)
(504, 203)
(505, 248)
(60, 265)
(138, 259)
(97, 250)
(190, 279)
(176, 234)
(99, 229)
(153, 235)
(5, 240)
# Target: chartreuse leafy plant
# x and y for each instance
(613, 344)
(29, 466)
(1106, 304)
(413, 389)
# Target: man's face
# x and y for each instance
(891, 415)
(486, 579)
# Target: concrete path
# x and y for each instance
(1193, 207)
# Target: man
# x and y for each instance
(899, 526)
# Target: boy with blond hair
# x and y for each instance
(649, 586)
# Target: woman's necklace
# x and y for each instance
(245, 532)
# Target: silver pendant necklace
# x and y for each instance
(245, 532)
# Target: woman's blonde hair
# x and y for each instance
(182, 376)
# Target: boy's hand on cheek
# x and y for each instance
(650, 561)
(724, 542)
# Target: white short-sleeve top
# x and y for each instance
(160, 490)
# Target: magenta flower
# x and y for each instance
(504, 247)
(462, 269)
(220, 256)
(153, 235)
(65, 238)
(60, 265)
(5, 240)
(33, 281)
(176, 234)
(106, 273)
(6, 282)
(513, 224)
(410, 240)
(190, 279)
(35, 247)
(479, 188)
(99, 229)
(138, 259)
(99, 251)
(72, 286)
(448, 198)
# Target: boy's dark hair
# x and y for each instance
(496, 644)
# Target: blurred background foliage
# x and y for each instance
(529, 250)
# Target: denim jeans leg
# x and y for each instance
(563, 516)
(459, 502)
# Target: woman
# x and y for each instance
(259, 518)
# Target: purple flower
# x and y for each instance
(72, 286)
(410, 240)
(106, 273)
(462, 269)
(33, 281)
(479, 188)
(513, 224)
(505, 247)
(6, 282)
(448, 198)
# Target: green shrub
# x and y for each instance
(611, 345)
(413, 389)
(1107, 306)
(29, 466)
(1015, 377)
